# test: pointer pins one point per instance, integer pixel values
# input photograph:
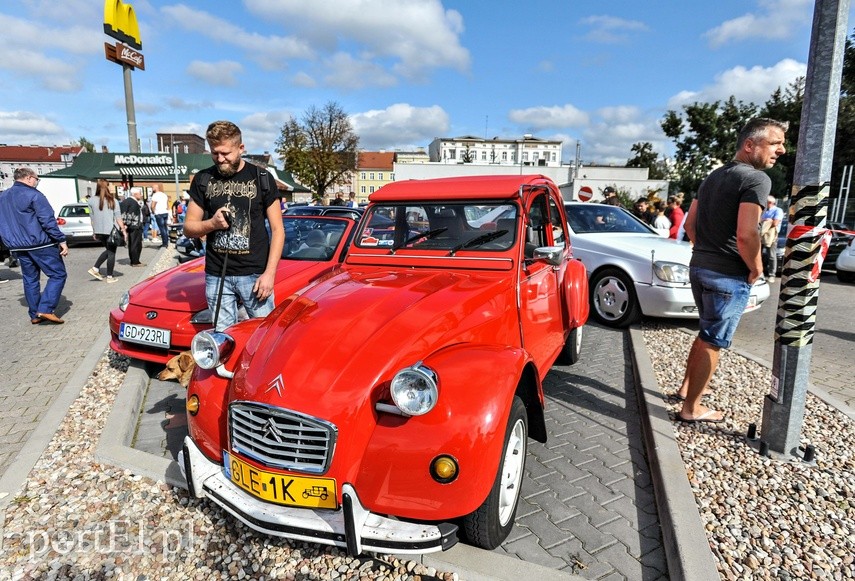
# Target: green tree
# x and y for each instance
(646, 157)
(86, 144)
(320, 149)
(704, 136)
(786, 105)
(844, 145)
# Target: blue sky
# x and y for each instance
(406, 71)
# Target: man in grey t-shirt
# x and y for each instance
(723, 223)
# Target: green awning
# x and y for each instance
(148, 166)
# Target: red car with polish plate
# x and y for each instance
(158, 318)
(398, 393)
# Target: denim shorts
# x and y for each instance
(235, 288)
(721, 299)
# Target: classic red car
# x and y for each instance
(159, 317)
(399, 391)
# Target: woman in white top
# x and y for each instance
(662, 224)
(105, 213)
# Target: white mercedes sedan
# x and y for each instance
(633, 271)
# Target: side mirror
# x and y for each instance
(553, 255)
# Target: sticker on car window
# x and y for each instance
(368, 241)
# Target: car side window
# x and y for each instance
(558, 236)
(535, 230)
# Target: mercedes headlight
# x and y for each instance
(203, 317)
(126, 300)
(210, 348)
(671, 271)
(414, 390)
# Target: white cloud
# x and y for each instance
(26, 127)
(409, 36)
(221, 73)
(261, 130)
(751, 85)
(611, 29)
(345, 72)
(269, 51)
(400, 126)
(775, 20)
(556, 117)
(303, 79)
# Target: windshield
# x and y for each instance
(311, 239)
(590, 218)
(440, 226)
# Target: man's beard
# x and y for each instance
(228, 169)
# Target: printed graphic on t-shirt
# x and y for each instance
(238, 198)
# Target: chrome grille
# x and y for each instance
(281, 438)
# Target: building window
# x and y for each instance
(392, 177)
(371, 175)
(362, 189)
(371, 189)
(362, 175)
(452, 154)
(525, 156)
(380, 176)
(504, 156)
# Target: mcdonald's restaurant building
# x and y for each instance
(126, 170)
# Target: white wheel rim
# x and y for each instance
(512, 471)
(611, 298)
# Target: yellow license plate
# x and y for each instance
(280, 488)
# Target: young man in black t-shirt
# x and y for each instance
(230, 210)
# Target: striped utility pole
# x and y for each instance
(784, 406)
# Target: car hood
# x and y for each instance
(352, 331)
(182, 288)
(634, 246)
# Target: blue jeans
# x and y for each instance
(164, 230)
(235, 288)
(721, 299)
(33, 263)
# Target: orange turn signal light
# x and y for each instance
(193, 405)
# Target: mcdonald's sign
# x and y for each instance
(120, 22)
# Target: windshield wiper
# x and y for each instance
(478, 240)
(411, 239)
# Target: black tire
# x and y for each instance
(845, 275)
(572, 348)
(613, 299)
(492, 522)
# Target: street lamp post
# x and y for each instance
(175, 165)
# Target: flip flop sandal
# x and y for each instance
(703, 418)
(677, 397)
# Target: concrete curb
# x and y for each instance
(114, 446)
(686, 544)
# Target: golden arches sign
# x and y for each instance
(120, 22)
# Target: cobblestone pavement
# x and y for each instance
(38, 360)
(588, 505)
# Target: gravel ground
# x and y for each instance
(765, 519)
(78, 519)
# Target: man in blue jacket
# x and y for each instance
(29, 229)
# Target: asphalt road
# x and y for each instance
(834, 340)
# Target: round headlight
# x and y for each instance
(126, 300)
(210, 348)
(414, 390)
(671, 271)
(203, 317)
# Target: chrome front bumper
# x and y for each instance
(351, 527)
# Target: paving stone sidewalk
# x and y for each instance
(588, 505)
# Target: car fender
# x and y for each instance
(576, 294)
(477, 384)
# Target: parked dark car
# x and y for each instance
(355, 213)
